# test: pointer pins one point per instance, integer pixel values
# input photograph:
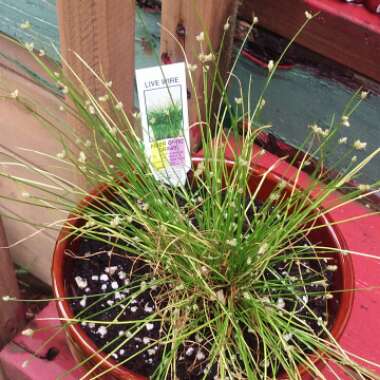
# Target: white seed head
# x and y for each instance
(346, 121)
(25, 25)
(239, 100)
(354, 158)
(342, 140)
(119, 106)
(263, 248)
(103, 98)
(14, 94)
(29, 46)
(270, 65)
(247, 295)
(7, 298)
(25, 194)
(82, 157)
(27, 332)
(255, 20)
(200, 37)
(220, 297)
(318, 130)
(200, 355)
(41, 53)
(359, 145)
(364, 187)
(191, 67)
(363, 94)
(209, 57)
(232, 242)
(61, 155)
(280, 303)
(226, 26)
(308, 15)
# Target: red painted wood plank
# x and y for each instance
(358, 15)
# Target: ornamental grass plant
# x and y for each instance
(210, 279)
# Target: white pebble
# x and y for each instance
(81, 282)
(104, 287)
(114, 285)
(134, 309)
(83, 301)
(149, 326)
(95, 278)
(189, 351)
(110, 270)
(280, 303)
(119, 296)
(200, 355)
(122, 275)
(146, 340)
(104, 277)
(148, 309)
(102, 331)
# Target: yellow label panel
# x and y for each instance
(159, 156)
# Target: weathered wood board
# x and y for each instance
(40, 13)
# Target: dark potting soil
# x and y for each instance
(103, 276)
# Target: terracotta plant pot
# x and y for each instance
(83, 347)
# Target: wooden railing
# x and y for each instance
(102, 32)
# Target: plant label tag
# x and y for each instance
(162, 94)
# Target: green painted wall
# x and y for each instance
(40, 13)
(298, 97)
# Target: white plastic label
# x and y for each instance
(162, 93)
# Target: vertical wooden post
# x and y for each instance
(102, 32)
(186, 19)
(11, 313)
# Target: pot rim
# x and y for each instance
(91, 350)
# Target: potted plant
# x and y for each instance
(236, 274)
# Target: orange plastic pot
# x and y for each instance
(82, 346)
